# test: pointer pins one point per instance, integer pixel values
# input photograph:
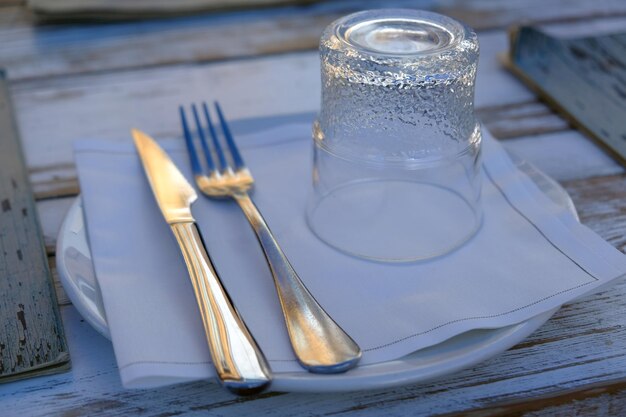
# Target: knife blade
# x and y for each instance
(239, 362)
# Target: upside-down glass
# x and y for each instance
(396, 171)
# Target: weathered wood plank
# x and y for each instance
(551, 66)
(502, 14)
(601, 205)
(12, 17)
(607, 399)
(566, 155)
(149, 97)
(484, 15)
(588, 26)
(583, 345)
(521, 119)
(31, 52)
(5, 3)
(62, 297)
(100, 10)
(506, 108)
(474, 11)
(52, 113)
(31, 340)
(54, 181)
(154, 43)
(562, 154)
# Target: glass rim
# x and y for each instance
(343, 27)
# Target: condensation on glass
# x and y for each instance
(396, 170)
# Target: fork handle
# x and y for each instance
(320, 345)
(240, 364)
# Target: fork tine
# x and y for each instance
(203, 142)
(237, 159)
(191, 149)
(216, 143)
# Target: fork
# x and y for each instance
(320, 345)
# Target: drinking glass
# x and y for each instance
(396, 169)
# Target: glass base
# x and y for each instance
(393, 220)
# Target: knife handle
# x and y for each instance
(239, 362)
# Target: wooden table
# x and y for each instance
(96, 81)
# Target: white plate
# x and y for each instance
(77, 275)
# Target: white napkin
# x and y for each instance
(529, 257)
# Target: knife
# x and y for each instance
(239, 362)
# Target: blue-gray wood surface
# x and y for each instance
(31, 333)
(583, 78)
(77, 81)
(98, 10)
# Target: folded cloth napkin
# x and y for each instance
(529, 257)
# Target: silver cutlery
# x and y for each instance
(240, 364)
(320, 345)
